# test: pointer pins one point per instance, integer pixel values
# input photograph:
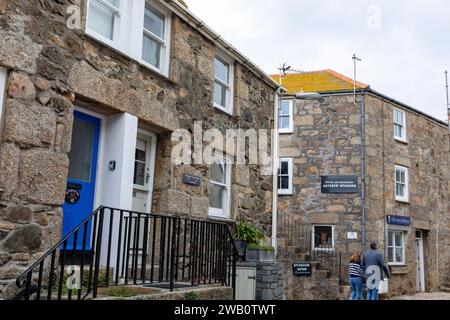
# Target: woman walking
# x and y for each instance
(356, 276)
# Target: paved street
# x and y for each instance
(425, 296)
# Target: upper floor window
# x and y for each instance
(139, 29)
(223, 84)
(401, 184)
(154, 43)
(286, 117)
(285, 175)
(103, 18)
(400, 125)
(220, 187)
(323, 237)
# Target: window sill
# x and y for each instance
(220, 219)
(404, 201)
(398, 269)
(222, 109)
(403, 141)
(285, 131)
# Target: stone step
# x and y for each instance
(445, 288)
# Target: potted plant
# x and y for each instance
(259, 252)
(245, 234)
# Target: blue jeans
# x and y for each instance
(357, 287)
(372, 294)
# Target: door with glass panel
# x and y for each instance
(144, 158)
(79, 198)
(143, 173)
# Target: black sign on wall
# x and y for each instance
(339, 184)
(302, 269)
(192, 180)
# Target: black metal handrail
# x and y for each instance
(114, 247)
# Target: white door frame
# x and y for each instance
(420, 264)
(152, 160)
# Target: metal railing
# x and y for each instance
(298, 234)
(114, 247)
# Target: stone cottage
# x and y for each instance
(401, 200)
(90, 93)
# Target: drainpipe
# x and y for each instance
(275, 153)
(363, 170)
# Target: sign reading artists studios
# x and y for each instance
(339, 184)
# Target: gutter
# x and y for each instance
(363, 170)
(385, 97)
(275, 165)
(188, 17)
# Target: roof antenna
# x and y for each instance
(355, 60)
(448, 102)
(285, 69)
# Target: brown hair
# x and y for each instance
(356, 257)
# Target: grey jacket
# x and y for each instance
(373, 257)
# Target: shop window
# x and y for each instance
(323, 237)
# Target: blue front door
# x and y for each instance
(79, 202)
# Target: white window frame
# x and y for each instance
(230, 86)
(291, 117)
(403, 247)
(313, 237)
(117, 23)
(3, 74)
(290, 174)
(224, 213)
(129, 33)
(404, 198)
(165, 43)
(402, 125)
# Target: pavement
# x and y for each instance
(425, 296)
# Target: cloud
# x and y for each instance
(404, 57)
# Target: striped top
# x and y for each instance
(355, 270)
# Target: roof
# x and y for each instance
(332, 82)
(317, 81)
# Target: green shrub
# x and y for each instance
(248, 232)
(191, 295)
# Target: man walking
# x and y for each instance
(372, 263)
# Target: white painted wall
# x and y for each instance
(2, 91)
(115, 188)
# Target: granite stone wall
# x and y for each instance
(327, 140)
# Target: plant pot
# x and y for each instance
(240, 247)
(259, 255)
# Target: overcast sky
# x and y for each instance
(404, 44)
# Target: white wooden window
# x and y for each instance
(139, 29)
(401, 184)
(285, 174)
(286, 117)
(223, 84)
(396, 247)
(154, 44)
(220, 187)
(400, 125)
(103, 19)
(323, 237)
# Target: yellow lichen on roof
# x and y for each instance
(317, 81)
